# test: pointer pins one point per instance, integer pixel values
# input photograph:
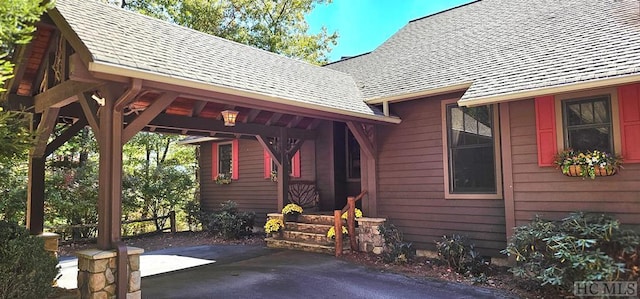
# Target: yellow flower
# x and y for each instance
(332, 232)
(273, 225)
(292, 208)
(357, 212)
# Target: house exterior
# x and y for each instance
(450, 126)
(487, 93)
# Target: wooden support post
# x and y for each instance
(338, 227)
(368, 172)
(283, 169)
(35, 195)
(351, 222)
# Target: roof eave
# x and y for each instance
(420, 94)
(112, 69)
(531, 93)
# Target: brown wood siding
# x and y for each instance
(545, 191)
(252, 192)
(411, 184)
(324, 165)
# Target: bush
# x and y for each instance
(461, 256)
(193, 212)
(26, 269)
(395, 249)
(581, 247)
(228, 222)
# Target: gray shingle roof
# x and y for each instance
(504, 47)
(125, 39)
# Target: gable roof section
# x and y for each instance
(124, 42)
(505, 50)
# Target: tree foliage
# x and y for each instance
(159, 176)
(277, 26)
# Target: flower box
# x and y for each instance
(588, 164)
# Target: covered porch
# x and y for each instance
(73, 75)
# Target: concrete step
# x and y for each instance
(293, 245)
(312, 238)
(307, 227)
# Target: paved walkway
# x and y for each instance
(258, 272)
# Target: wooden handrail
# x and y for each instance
(350, 208)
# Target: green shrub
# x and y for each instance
(581, 247)
(396, 250)
(461, 256)
(228, 222)
(192, 213)
(26, 269)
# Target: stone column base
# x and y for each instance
(50, 242)
(97, 273)
(369, 237)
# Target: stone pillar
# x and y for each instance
(369, 237)
(97, 273)
(50, 242)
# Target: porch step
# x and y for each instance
(307, 227)
(315, 219)
(312, 238)
(287, 244)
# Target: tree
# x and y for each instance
(159, 176)
(277, 26)
(17, 19)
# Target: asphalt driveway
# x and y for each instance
(258, 272)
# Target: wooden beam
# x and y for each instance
(78, 70)
(295, 121)
(201, 124)
(296, 146)
(18, 103)
(362, 138)
(273, 119)
(90, 112)
(61, 95)
(273, 153)
(20, 61)
(283, 169)
(252, 115)
(47, 123)
(147, 115)
(198, 106)
(65, 136)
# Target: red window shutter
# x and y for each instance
(546, 130)
(214, 160)
(267, 165)
(235, 173)
(295, 165)
(629, 106)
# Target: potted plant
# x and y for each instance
(331, 234)
(588, 164)
(273, 227)
(291, 212)
(358, 213)
(223, 179)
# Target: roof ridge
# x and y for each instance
(347, 58)
(199, 32)
(446, 10)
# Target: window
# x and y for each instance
(353, 156)
(471, 151)
(271, 166)
(587, 124)
(224, 158)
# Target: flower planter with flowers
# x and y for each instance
(588, 164)
(223, 179)
(274, 227)
(331, 234)
(291, 212)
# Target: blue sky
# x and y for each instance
(365, 24)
